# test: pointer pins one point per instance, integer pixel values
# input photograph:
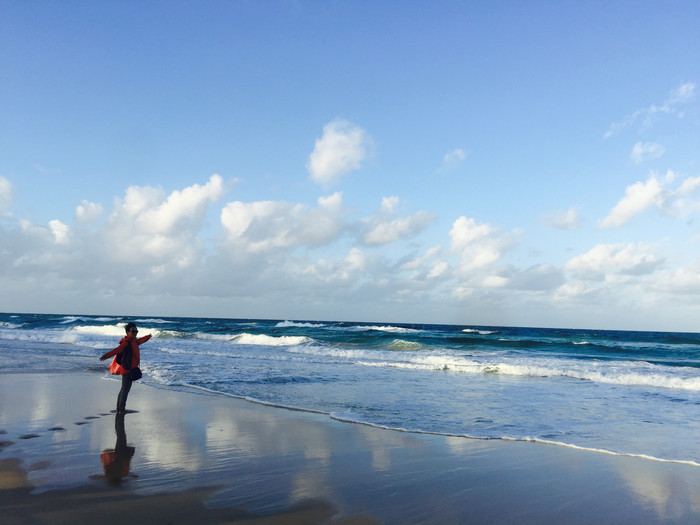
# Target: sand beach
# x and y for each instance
(184, 456)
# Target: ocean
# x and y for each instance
(615, 392)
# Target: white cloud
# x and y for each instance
(495, 281)
(342, 149)
(438, 269)
(422, 259)
(563, 220)
(604, 260)
(59, 230)
(678, 97)
(646, 151)
(310, 258)
(183, 206)
(681, 281)
(479, 244)
(383, 228)
(347, 269)
(158, 225)
(428, 266)
(685, 93)
(6, 193)
(537, 278)
(452, 160)
(655, 192)
(638, 197)
(268, 225)
(88, 212)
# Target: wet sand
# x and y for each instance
(184, 457)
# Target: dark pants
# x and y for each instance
(124, 392)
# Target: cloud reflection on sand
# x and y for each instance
(656, 485)
(265, 459)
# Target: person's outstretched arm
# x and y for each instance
(115, 351)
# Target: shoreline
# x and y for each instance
(227, 459)
(194, 389)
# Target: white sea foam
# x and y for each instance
(480, 332)
(327, 351)
(199, 352)
(214, 337)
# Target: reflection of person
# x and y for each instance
(116, 462)
(126, 357)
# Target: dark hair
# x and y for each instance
(129, 327)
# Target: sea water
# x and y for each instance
(632, 393)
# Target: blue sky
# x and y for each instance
(498, 163)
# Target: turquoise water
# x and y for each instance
(621, 392)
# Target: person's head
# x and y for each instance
(131, 329)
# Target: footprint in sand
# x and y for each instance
(56, 429)
(29, 436)
(5, 443)
(81, 422)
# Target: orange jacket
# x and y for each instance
(117, 369)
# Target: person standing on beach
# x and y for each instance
(126, 357)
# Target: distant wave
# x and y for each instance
(293, 324)
(620, 374)
(61, 337)
(268, 340)
(115, 330)
(112, 330)
(72, 319)
(256, 339)
(401, 344)
(392, 329)
(68, 319)
(480, 332)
